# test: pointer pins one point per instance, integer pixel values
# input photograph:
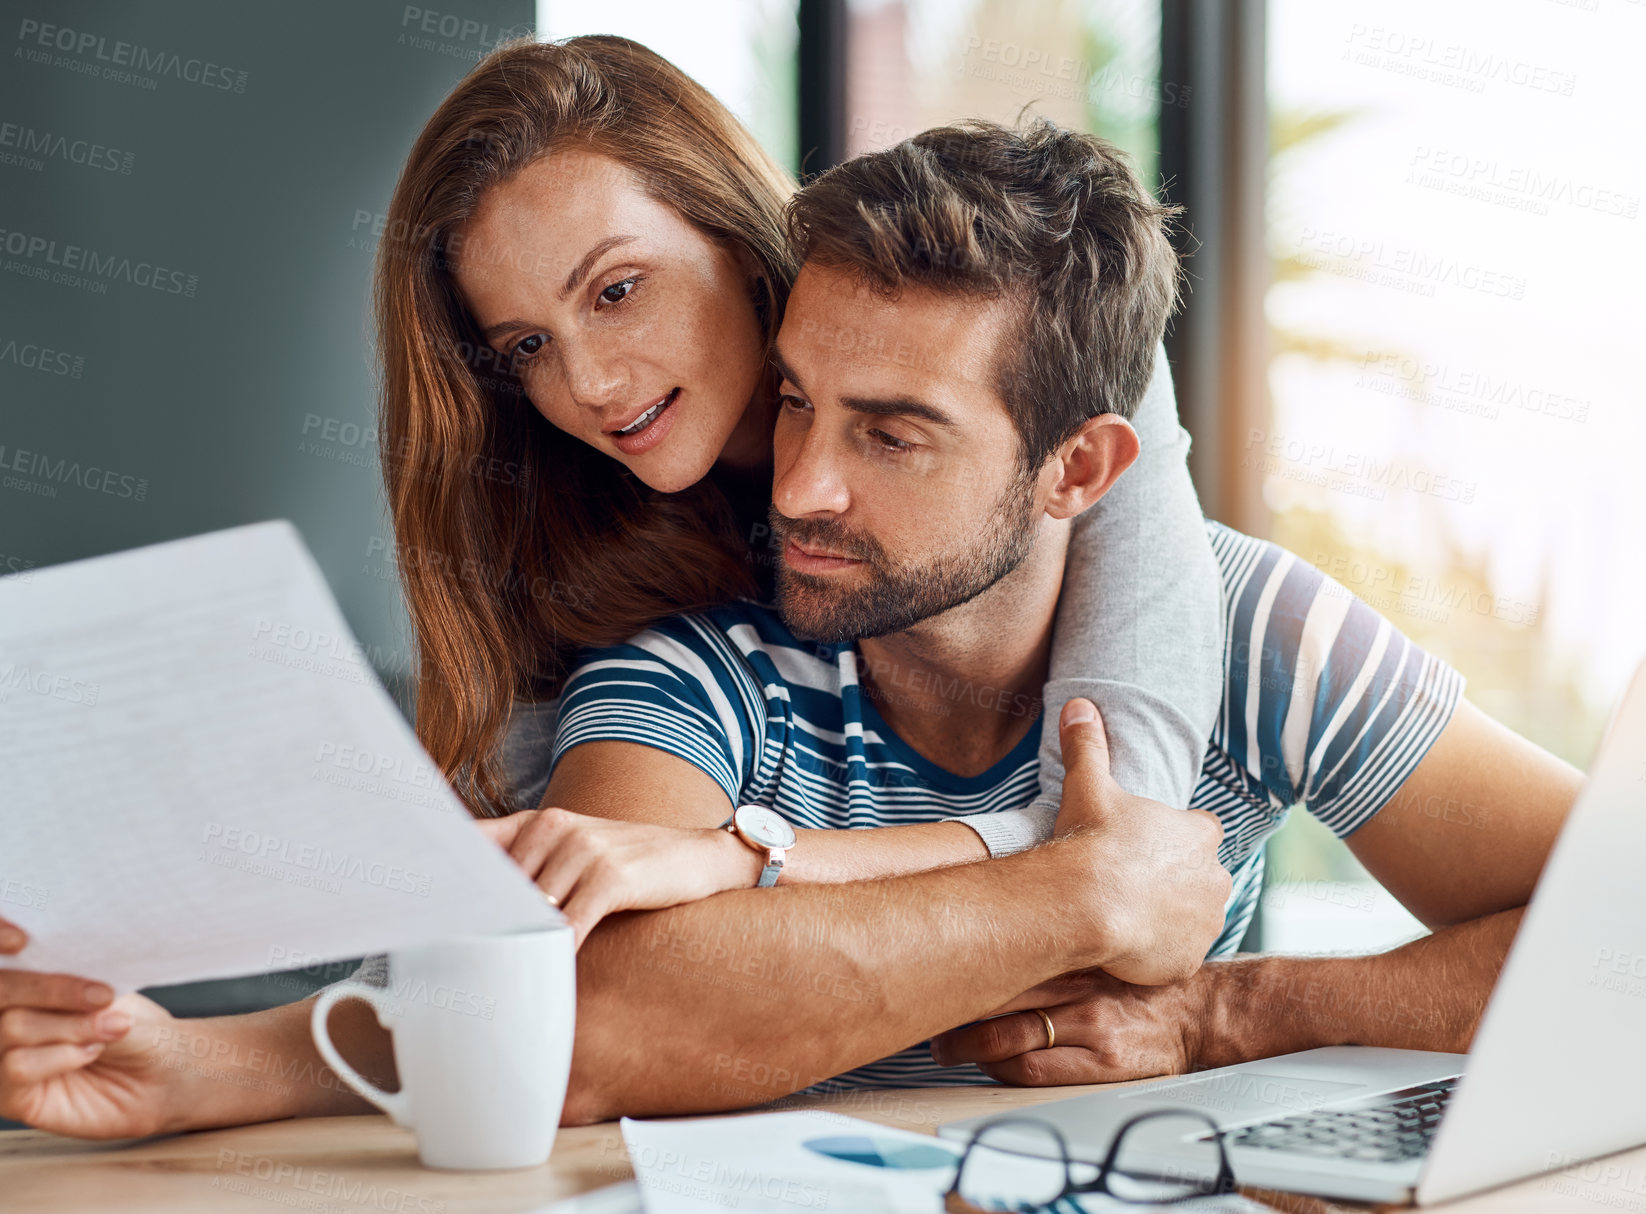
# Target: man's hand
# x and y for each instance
(1107, 1030)
(1163, 890)
(593, 867)
(1428, 994)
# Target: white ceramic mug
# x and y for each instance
(482, 1029)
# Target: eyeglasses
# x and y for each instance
(1022, 1164)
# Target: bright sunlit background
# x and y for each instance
(1454, 214)
(742, 51)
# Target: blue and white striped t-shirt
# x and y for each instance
(1326, 705)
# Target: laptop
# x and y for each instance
(1555, 1074)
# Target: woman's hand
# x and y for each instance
(592, 867)
(75, 1060)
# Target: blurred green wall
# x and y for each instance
(187, 196)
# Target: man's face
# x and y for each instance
(897, 492)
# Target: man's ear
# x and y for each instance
(1089, 463)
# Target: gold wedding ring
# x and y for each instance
(551, 899)
(1051, 1033)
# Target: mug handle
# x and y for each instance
(395, 1104)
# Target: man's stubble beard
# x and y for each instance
(898, 597)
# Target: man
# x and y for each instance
(921, 509)
(924, 515)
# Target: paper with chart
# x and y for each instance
(818, 1159)
(201, 777)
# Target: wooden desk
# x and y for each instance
(327, 1165)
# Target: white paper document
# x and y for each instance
(780, 1163)
(201, 777)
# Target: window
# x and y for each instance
(1091, 65)
(1454, 220)
(742, 51)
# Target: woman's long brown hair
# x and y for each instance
(517, 544)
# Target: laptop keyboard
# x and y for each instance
(1398, 1127)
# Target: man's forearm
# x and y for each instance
(752, 994)
(716, 1004)
(1426, 995)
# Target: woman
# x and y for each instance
(583, 271)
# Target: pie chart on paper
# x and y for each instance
(882, 1152)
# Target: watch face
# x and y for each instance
(764, 826)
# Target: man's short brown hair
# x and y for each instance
(1047, 215)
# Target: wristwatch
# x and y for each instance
(763, 830)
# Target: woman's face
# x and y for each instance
(630, 329)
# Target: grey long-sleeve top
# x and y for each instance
(1141, 612)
